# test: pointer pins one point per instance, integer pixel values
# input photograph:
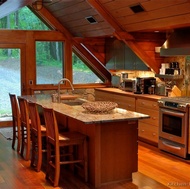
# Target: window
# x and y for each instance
(81, 73)
(49, 62)
(23, 19)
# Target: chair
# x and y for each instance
(56, 142)
(16, 122)
(38, 133)
(25, 128)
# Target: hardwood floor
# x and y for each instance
(166, 170)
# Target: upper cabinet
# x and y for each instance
(121, 57)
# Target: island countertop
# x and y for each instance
(112, 139)
(79, 113)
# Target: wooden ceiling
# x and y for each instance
(116, 15)
(112, 15)
(114, 18)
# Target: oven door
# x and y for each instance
(173, 132)
(173, 125)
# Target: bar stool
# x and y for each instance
(16, 122)
(38, 133)
(56, 142)
(25, 128)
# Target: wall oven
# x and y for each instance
(174, 125)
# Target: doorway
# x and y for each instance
(10, 63)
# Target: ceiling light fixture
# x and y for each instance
(38, 5)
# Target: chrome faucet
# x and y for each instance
(59, 83)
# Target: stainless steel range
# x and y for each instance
(174, 125)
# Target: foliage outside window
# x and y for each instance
(22, 19)
(49, 62)
(81, 73)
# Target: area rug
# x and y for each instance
(7, 132)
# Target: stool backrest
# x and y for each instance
(52, 132)
(14, 106)
(23, 103)
(34, 117)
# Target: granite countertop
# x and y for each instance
(79, 113)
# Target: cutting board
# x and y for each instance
(175, 91)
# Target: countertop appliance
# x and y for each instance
(174, 122)
(128, 85)
(161, 89)
(145, 85)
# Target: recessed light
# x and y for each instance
(137, 8)
(91, 20)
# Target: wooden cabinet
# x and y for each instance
(148, 128)
(123, 101)
(120, 57)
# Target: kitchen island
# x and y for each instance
(112, 139)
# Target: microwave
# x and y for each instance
(128, 85)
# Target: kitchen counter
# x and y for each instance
(112, 139)
(78, 112)
(119, 91)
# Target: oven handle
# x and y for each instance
(171, 146)
(179, 114)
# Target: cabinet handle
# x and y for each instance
(154, 134)
(142, 103)
(142, 130)
(154, 118)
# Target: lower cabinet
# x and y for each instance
(148, 132)
(148, 128)
(123, 101)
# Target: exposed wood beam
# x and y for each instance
(126, 37)
(98, 67)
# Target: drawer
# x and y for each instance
(148, 132)
(125, 102)
(99, 95)
(154, 116)
(147, 104)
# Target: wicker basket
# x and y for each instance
(99, 106)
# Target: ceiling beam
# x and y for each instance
(126, 37)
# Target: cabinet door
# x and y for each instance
(125, 102)
(120, 57)
(102, 96)
(154, 116)
(148, 132)
(129, 59)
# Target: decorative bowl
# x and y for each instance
(99, 106)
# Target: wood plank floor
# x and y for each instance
(167, 172)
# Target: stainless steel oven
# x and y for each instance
(173, 125)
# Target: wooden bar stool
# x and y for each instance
(16, 122)
(25, 128)
(56, 142)
(38, 133)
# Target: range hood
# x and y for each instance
(177, 44)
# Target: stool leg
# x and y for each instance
(85, 161)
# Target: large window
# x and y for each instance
(81, 73)
(49, 62)
(10, 78)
